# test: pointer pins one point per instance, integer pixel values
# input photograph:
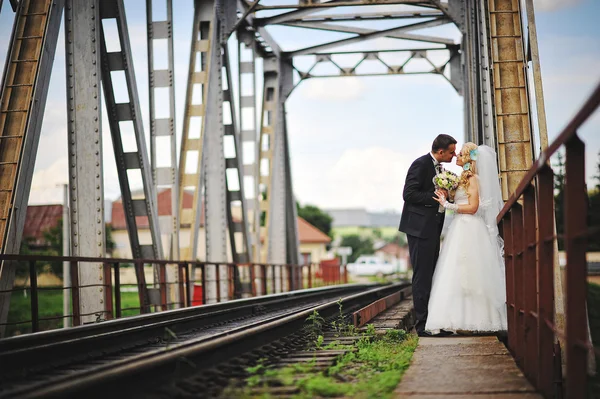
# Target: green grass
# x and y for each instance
(50, 304)
(594, 317)
(372, 371)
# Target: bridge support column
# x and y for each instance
(82, 36)
(22, 100)
(278, 86)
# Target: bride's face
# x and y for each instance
(460, 159)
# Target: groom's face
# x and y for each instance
(447, 154)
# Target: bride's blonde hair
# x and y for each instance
(465, 156)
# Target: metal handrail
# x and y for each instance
(527, 225)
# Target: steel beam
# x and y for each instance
(366, 31)
(372, 56)
(213, 158)
(249, 137)
(368, 36)
(82, 36)
(278, 85)
(162, 134)
(358, 16)
(124, 118)
(515, 148)
(238, 229)
(23, 96)
(190, 171)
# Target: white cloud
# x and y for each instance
(371, 177)
(46, 186)
(553, 5)
(347, 88)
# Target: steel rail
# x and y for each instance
(133, 376)
(20, 351)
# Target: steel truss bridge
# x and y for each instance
(494, 67)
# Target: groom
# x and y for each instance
(422, 221)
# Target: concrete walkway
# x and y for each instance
(464, 367)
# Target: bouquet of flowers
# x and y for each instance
(446, 180)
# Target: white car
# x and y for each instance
(371, 266)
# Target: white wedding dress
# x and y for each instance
(469, 290)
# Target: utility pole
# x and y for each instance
(66, 246)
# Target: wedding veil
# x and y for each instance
(490, 195)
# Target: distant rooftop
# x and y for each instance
(360, 217)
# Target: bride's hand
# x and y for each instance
(440, 197)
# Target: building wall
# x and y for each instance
(317, 252)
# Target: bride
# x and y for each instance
(469, 290)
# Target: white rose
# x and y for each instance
(444, 182)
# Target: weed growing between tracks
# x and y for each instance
(372, 367)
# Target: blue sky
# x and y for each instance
(352, 139)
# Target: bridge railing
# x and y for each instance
(527, 225)
(128, 287)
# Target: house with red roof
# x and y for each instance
(313, 242)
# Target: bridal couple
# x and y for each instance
(462, 289)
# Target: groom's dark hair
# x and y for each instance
(442, 142)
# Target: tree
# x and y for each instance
(559, 194)
(360, 246)
(315, 216)
(594, 212)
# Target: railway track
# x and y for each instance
(137, 356)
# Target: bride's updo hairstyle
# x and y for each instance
(470, 165)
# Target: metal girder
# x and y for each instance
(213, 160)
(202, 162)
(369, 36)
(364, 16)
(238, 229)
(23, 96)
(82, 37)
(125, 118)
(537, 74)
(277, 19)
(515, 147)
(249, 136)
(190, 172)
(372, 56)
(278, 84)
(266, 44)
(162, 134)
(366, 31)
(291, 234)
(301, 6)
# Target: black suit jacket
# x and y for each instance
(420, 216)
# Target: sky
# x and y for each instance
(351, 139)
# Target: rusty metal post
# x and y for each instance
(141, 283)
(510, 283)
(162, 285)
(263, 269)
(576, 246)
(108, 300)
(545, 254)
(35, 314)
(253, 279)
(182, 275)
(218, 281)
(530, 285)
(117, 290)
(518, 276)
(203, 282)
(75, 293)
